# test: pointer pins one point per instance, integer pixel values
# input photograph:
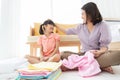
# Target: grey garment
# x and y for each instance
(99, 37)
(109, 58)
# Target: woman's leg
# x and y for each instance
(65, 54)
(32, 59)
(54, 58)
(109, 59)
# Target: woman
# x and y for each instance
(49, 44)
(94, 35)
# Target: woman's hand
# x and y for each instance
(97, 53)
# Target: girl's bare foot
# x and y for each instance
(108, 69)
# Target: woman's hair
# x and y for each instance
(92, 12)
(42, 28)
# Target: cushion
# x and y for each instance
(36, 29)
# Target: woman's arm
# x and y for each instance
(71, 30)
(98, 53)
(104, 40)
(61, 28)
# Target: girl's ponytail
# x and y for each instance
(42, 28)
(41, 31)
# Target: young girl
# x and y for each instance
(49, 44)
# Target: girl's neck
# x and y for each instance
(47, 34)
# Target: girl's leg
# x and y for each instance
(32, 59)
(54, 58)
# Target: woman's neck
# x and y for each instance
(90, 26)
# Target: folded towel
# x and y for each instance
(45, 66)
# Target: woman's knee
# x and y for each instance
(115, 57)
(110, 58)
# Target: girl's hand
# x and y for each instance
(96, 53)
(44, 58)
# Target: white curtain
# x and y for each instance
(9, 33)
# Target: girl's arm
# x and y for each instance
(41, 51)
(56, 49)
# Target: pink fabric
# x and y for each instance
(27, 72)
(34, 73)
(87, 64)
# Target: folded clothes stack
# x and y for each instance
(40, 71)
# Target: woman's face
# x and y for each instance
(49, 28)
(84, 16)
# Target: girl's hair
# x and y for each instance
(92, 12)
(42, 28)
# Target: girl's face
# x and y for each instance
(84, 16)
(49, 28)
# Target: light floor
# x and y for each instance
(73, 75)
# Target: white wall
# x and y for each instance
(108, 8)
(67, 11)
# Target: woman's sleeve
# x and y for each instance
(73, 31)
(39, 41)
(105, 37)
